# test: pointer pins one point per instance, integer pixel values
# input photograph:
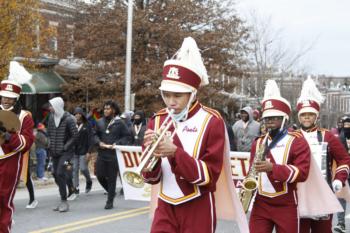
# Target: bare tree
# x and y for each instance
(158, 30)
(271, 54)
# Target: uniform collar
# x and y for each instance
(313, 129)
(194, 109)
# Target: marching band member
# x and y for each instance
(191, 157)
(308, 106)
(13, 146)
(287, 163)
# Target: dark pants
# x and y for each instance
(61, 174)
(29, 184)
(106, 172)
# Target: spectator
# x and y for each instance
(345, 139)
(336, 131)
(126, 118)
(110, 131)
(82, 152)
(62, 132)
(139, 128)
(256, 115)
(41, 143)
(228, 130)
(245, 130)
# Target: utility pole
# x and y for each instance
(128, 56)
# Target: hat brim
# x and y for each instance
(8, 94)
(309, 110)
(173, 86)
(273, 113)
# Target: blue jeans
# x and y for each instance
(40, 166)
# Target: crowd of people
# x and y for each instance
(301, 169)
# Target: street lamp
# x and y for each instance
(128, 56)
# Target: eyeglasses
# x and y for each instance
(273, 118)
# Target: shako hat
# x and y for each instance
(310, 98)
(273, 104)
(185, 71)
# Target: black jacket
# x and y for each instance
(85, 139)
(62, 138)
(116, 133)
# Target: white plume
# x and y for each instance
(310, 92)
(271, 90)
(189, 54)
(18, 73)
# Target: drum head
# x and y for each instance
(9, 121)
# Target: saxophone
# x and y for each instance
(250, 182)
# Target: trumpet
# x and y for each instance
(148, 161)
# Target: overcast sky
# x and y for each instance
(325, 22)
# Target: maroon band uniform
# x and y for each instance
(188, 179)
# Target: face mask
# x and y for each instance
(137, 121)
(347, 132)
(178, 117)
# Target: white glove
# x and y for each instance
(337, 185)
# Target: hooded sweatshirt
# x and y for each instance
(62, 130)
(246, 132)
(58, 105)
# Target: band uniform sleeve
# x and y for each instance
(298, 164)
(205, 170)
(152, 177)
(338, 153)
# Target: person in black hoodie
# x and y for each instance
(110, 131)
(62, 132)
(82, 149)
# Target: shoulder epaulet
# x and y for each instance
(296, 134)
(297, 131)
(161, 112)
(323, 129)
(212, 111)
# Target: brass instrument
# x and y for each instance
(148, 161)
(250, 182)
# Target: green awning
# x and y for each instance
(43, 83)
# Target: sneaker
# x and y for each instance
(63, 207)
(340, 228)
(43, 179)
(109, 205)
(72, 197)
(88, 187)
(32, 204)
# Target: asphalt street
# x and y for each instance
(87, 214)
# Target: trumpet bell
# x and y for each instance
(134, 179)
